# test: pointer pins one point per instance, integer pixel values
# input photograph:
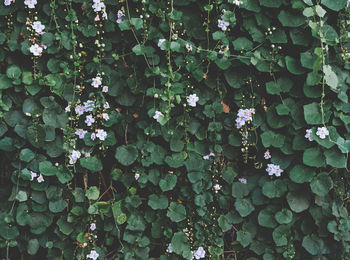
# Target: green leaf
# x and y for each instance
(244, 207)
(92, 163)
(228, 174)
(239, 190)
(298, 201)
(294, 66)
(92, 193)
(126, 154)
(265, 218)
(176, 212)
(33, 246)
(168, 183)
(270, 138)
(335, 159)
(5, 83)
(47, 169)
(157, 202)
(180, 244)
(321, 184)
(312, 114)
(26, 155)
(57, 206)
(335, 5)
(301, 174)
(244, 237)
(137, 22)
(281, 235)
(242, 43)
(13, 72)
(271, 3)
(224, 223)
(139, 49)
(285, 216)
(313, 244)
(65, 227)
(313, 157)
(290, 19)
(274, 189)
(22, 196)
(330, 77)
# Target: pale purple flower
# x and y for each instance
(237, 2)
(223, 25)
(40, 178)
(188, 47)
(33, 175)
(105, 89)
(106, 105)
(96, 82)
(30, 3)
(322, 132)
(81, 133)
(7, 2)
(169, 249)
(105, 116)
(98, 5)
(137, 176)
(79, 109)
(158, 115)
(101, 134)
(120, 15)
(93, 136)
(93, 255)
(217, 187)
(242, 180)
(67, 109)
(267, 155)
(74, 156)
(35, 49)
(244, 116)
(200, 253)
(308, 134)
(38, 27)
(160, 42)
(89, 120)
(274, 169)
(92, 226)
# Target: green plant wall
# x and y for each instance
(179, 129)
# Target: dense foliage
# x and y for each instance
(179, 129)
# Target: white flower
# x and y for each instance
(105, 116)
(104, 15)
(206, 157)
(192, 100)
(188, 47)
(89, 105)
(242, 180)
(93, 136)
(267, 155)
(105, 89)
(7, 2)
(38, 27)
(30, 3)
(79, 109)
(223, 24)
(158, 115)
(40, 178)
(93, 255)
(106, 105)
(308, 134)
(97, 6)
(237, 2)
(274, 169)
(33, 175)
(89, 120)
(35, 49)
(74, 156)
(322, 132)
(67, 109)
(217, 187)
(120, 15)
(92, 226)
(160, 42)
(169, 249)
(81, 133)
(101, 134)
(200, 253)
(96, 82)
(137, 176)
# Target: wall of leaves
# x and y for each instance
(178, 129)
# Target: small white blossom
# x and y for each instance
(106, 105)
(92, 226)
(89, 120)
(217, 187)
(206, 157)
(101, 134)
(158, 115)
(40, 178)
(200, 253)
(322, 132)
(30, 3)
(244, 116)
(74, 156)
(93, 255)
(93, 136)
(33, 175)
(267, 155)
(188, 47)
(79, 109)
(237, 2)
(308, 134)
(105, 116)
(169, 249)
(120, 14)
(35, 49)
(192, 100)
(96, 82)
(160, 42)
(242, 180)
(81, 133)
(38, 27)
(274, 169)
(137, 176)
(98, 5)
(105, 89)
(67, 109)
(223, 25)
(7, 2)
